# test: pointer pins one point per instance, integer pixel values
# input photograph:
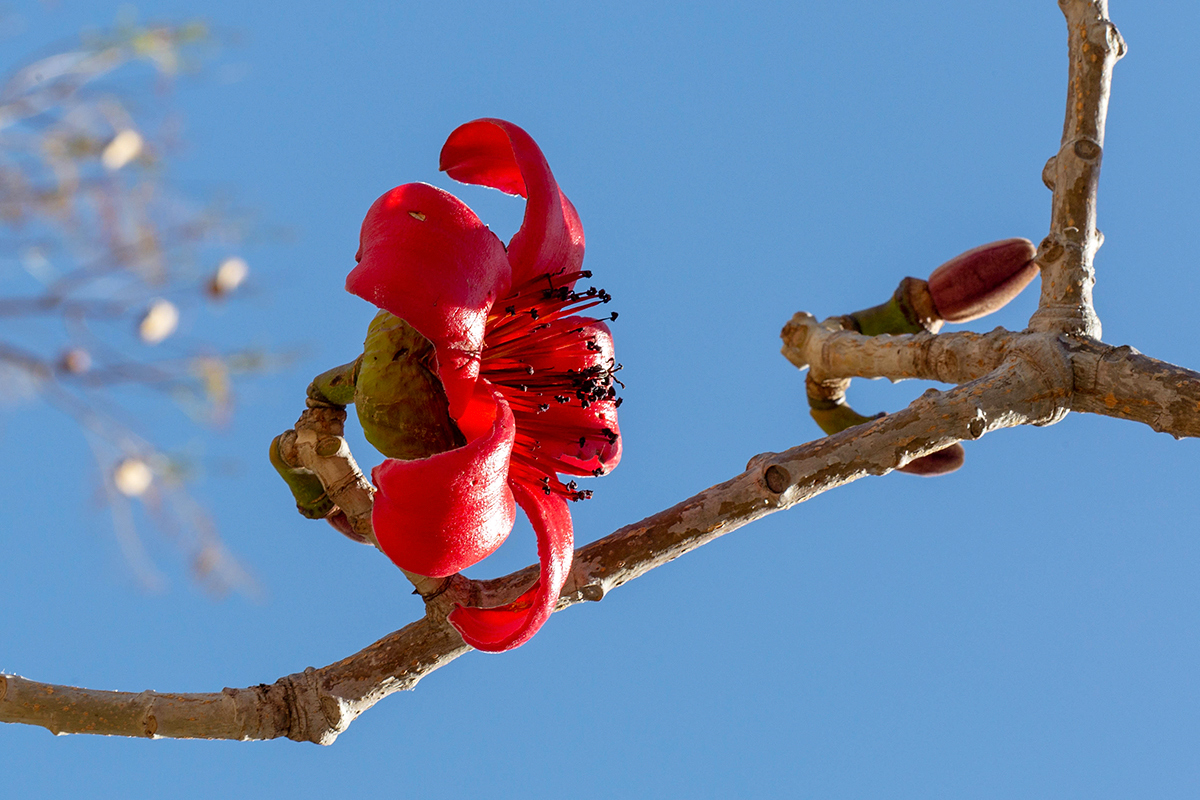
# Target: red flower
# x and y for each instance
(530, 383)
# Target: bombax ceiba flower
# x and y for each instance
(529, 382)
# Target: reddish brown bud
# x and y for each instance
(942, 462)
(75, 361)
(982, 280)
(341, 524)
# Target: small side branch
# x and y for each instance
(317, 445)
(833, 353)
(1066, 256)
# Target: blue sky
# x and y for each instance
(1024, 627)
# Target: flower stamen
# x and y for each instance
(526, 332)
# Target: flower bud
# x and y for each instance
(982, 280)
(132, 477)
(75, 361)
(940, 462)
(159, 322)
(228, 277)
(124, 147)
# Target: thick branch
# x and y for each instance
(1113, 381)
(318, 704)
(1121, 382)
(314, 705)
(1066, 255)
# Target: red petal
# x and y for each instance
(427, 258)
(439, 515)
(558, 430)
(495, 153)
(560, 427)
(575, 343)
(495, 630)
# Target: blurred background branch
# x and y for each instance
(109, 272)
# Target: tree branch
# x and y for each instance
(1121, 382)
(1113, 381)
(833, 353)
(318, 704)
(1006, 379)
(1066, 256)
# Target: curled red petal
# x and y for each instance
(436, 516)
(426, 257)
(495, 630)
(495, 153)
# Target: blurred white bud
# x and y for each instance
(34, 260)
(228, 277)
(159, 322)
(132, 477)
(75, 361)
(125, 147)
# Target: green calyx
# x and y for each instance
(889, 317)
(835, 417)
(400, 401)
(311, 500)
(395, 389)
(336, 386)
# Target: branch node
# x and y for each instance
(328, 446)
(1116, 42)
(332, 710)
(1048, 172)
(1049, 361)
(754, 463)
(441, 589)
(1087, 149)
(777, 478)
(1049, 251)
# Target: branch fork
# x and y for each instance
(1002, 379)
